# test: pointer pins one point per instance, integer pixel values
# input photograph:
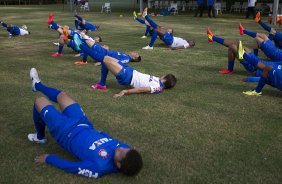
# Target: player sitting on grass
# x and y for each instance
(141, 21)
(81, 24)
(232, 54)
(271, 75)
(15, 30)
(126, 75)
(98, 153)
(165, 35)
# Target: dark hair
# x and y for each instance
(100, 38)
(192, 43)
(138, 59)
(132, 163)
(170, 81)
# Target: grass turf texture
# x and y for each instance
(202, 131)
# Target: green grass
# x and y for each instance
(202, 131)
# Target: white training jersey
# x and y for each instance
(23, 32)
(178, 42)
(144, 80)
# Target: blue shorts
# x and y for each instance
(275, 77)
(61, 123)
(124, 77)
(271, 51)
(74, 47)
(167, 38)
(89, 26)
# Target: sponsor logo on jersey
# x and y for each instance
(103, 153)
(99, 142)
(87, 173)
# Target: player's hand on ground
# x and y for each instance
(41, 159)
(120, 94)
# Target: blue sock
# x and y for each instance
(84, 58)
(249, 67)
(252, 79)
(218, 39)
(151, 22)
(76, 24)
(148, 28)
(51, 93)
(265, 26)
(154, 35)
(4, 24)
(230, 65)
(261, 84)
(104, 74)
(39, 124)
(54, 25)
(140, 20)
(60, 49)
(249, 33)
(256, 52)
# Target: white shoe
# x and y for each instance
(144, 36)
(148, 48)
(56, 43)
(34, 77)
(33, 138)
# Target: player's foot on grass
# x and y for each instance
(134, 15)
(241, 29)
(210, 35)
(57, 54)
(144, 36)
(56, 43)
(252, 93)
(148, 48)
(51, 17)
(145, 11)
(80, 63)
(33, 138)
(225, 71)
(98, 86)
(34, 78)
(240, 50)
(257, 19)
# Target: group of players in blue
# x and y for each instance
(98, 153)
(266, 72)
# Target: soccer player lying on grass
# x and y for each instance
(232, 54)
(81, 24)
(141, 21)
(126, 75)
(15, 30)
(98, 153)
(271, 75)
(90, 46)
(273, 36)
(165, 35)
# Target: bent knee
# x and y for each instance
(41, 102)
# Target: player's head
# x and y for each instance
(135, 57)
(191, 43)
(10, 25)
(128, 161)
(170, 30)
(98, 39)
(168, 81)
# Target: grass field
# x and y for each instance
(202, 131)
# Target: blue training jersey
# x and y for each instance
(15, 30)
(94, 149)
(87, 26)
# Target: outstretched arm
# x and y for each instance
(80, 168)
(133, 91)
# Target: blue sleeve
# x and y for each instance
(252, 79)
(76, 24)
(84, 168)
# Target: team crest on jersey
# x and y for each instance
(103, 153)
